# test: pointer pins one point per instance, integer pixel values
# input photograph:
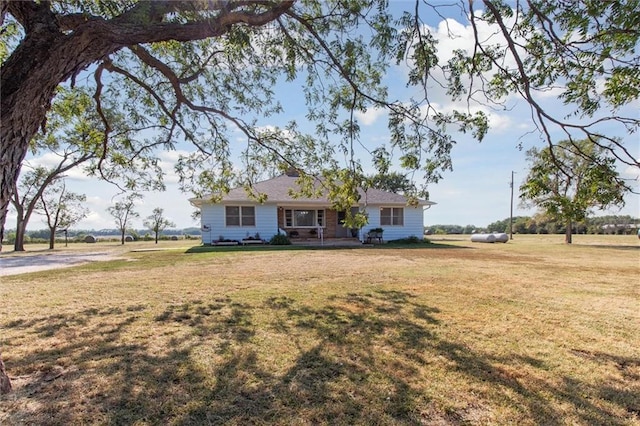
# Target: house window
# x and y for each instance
(240, 215)
(392, 216)
(303, 218)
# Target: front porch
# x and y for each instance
(306, 224)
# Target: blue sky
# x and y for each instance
(476, 192)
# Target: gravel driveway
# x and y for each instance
(14, 264)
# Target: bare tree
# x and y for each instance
(123, 211)
(25, 200)
(61, 208)
(157, 223)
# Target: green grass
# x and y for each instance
(530, 332)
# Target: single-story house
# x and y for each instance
(236, 216)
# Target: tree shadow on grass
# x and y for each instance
(611, 246)
(359, 358)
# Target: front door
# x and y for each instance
(341, 230)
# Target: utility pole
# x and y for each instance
(511, 213)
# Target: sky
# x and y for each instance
(477, 191)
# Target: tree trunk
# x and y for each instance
(26, 96)
(156, 237)
(45, 58)
(122, 235)
(11, 156)
(21, 224)
(5, 382)
(52, 238)
(567, 233)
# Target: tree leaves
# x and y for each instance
(566, 185)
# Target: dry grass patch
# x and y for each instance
(529, 332)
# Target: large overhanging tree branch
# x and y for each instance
(75, 139)
(585, 50)
(57, 45)
(182, 100)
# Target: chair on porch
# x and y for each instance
(374, 236)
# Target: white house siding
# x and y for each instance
(213, 215)
(413, 223)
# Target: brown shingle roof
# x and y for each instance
(277, 191)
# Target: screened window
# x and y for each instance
(304, 218)
(240, 215)
(248, 215)
(392, 216)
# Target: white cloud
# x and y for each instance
(452, 35)
(370, 116)
(499, 122)
(632, 172)
(97, 220)
(51, 160)
(168, 161)
(174, 203)
(553, 92)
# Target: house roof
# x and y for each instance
(277, 191)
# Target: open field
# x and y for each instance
(532, 332)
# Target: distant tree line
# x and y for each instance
(542, 224)
(42, 235)
(452, 229)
